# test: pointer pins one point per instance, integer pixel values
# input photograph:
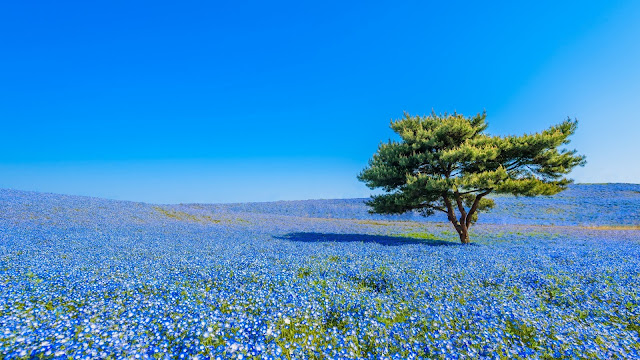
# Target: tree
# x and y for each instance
(447, 163)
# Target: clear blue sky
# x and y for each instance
(251, 101)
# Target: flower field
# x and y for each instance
(548, 277)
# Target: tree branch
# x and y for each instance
(431, 207)
(474, 207)
(451, 214)
(438, 208)
(463, 212)
(471, 191)
(514, 165)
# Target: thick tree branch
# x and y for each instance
(475, 204)
(463, 212)
(451, 214)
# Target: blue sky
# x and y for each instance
(198, 101)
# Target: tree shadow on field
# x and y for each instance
(311, 237)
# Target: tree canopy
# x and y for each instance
(448, 163)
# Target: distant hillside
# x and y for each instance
(582, 204)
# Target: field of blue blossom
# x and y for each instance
(547, 277)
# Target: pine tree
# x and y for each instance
(448, 163)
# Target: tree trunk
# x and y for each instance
(461, 227)
(464, 235)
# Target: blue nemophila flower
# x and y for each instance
(91, 278)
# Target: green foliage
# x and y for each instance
(527, 334)
(448, 163)
(333, 318)
(378, 282)
(419, 235)
(304, 272)
(184, 216)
